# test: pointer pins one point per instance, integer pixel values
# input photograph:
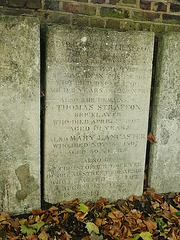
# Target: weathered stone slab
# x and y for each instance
(164, 171)
(19, 111)
(97, 101)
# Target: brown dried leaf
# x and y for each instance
(151, 225)
(177, 200)
(15, 224)
(151, 138)
(100, 204)
(153, 195)
(131, 198)
(80, 215)
(155, 204)
(66, 236)
(37, 212)
(86, 238)
(167, 215)
(53, 208)
(113, 231)
(100, 222)
(116, 216)
(70, 204)
(165, 206)
(172, 209)
(32, 237)
(43, 235)
(4, 216)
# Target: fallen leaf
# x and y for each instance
(146, 236)
(43, 235)
(32, 237)
(80, 215)
(177, 213)
(100, 222)
(86, 238)
(151, 225)
(143, 235)
(151, 138)
(177, 200)
(100, 204)
(161, 223)
(83, 208)
(91, 227)
(36, 211)
(27, 230)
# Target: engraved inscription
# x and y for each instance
(96, 113)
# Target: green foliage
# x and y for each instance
(91, 227)
(110, 206)
(31, 229)
(177, 213)
(161, 223)
(2, 235)
(69, 210)
(83, 208)
(143, 235)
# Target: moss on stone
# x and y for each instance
(113, 13)
(97, 22)
(80, 21)
(113, 24)
(144, 26)
(129, 26)
(158, 28)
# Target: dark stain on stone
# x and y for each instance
(164, 136)
(178, 99)
(173, 114)
(28, 184)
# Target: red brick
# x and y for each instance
(79, 8)
(98, 1)
(34, 4)
(171, 18)
(113, 1)
(16, 3)
(2, 2)
(146, 5)
(160, 7)
(81, 1)
(175, 8)
(146, 16)
(51, 5)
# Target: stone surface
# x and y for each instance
(97, 104)
(19, 110)
(164, 171)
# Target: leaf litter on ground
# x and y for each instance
(151, 216)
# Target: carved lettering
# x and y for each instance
(97, 112)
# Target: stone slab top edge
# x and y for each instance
(55, 26)
(27, 19)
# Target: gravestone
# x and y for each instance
(19, 110)
(97, 102)
(164, 169)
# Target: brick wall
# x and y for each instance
(122, 15)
